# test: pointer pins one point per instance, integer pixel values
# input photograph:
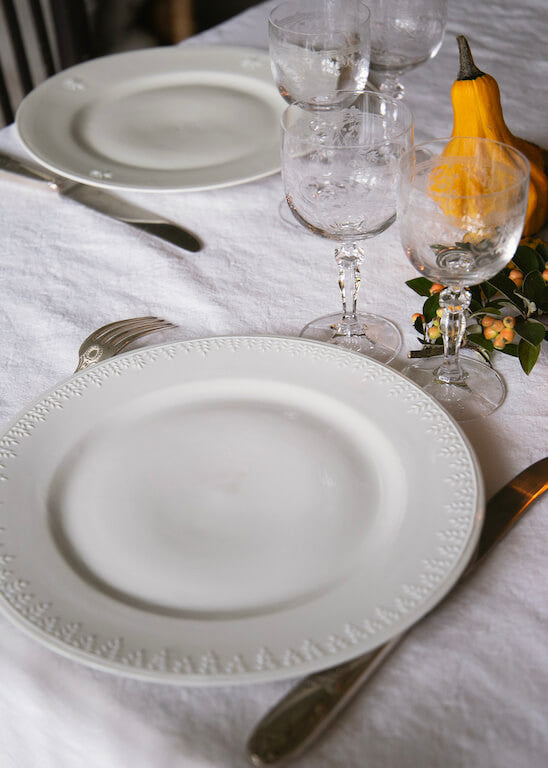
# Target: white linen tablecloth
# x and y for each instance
(469, 686)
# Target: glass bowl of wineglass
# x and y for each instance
(340, 175)
(404, 34)
(461, 209)
(319, 51)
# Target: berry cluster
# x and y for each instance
(499, 331)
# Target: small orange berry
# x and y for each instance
(516, 276)
(497, 325)
(490, 333)
(434, 333)
(507, 334)
(509, 321)
(545, 275)
(435, 288)
(499, 342)
(416, 317)
(487, 321)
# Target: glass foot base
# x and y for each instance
(379, 339)
(482, 393)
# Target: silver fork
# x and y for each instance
(110, 339)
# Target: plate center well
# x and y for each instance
(174, 126)
(206, 503)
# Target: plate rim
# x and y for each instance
(234, 51)
(212, 676)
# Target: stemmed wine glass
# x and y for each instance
(404, 34)
(340, 172)
(319, 54)
(461, 209)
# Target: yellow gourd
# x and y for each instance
(477, 111)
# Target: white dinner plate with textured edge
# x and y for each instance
(170, 119)
(232, 510)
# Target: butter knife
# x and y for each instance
(102, 201)
(295, 722)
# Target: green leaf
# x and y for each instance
(525, 258)
(488, 311)
(492, 310)
(488, 290)
(420, 285)
(472, 328)
(510, 349)
(475, 292)
(481, 341)
(418, 325)
(530, 330)
(503, 284)
(528, 355)
(536, 290)
(431, 305)
(476, 306)
(542, 249)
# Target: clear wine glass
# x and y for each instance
(319, 54)
(404, 34)
(340, 172)
(461, 209)
(319, 50)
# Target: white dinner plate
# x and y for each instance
(173, 118)
(232, 510)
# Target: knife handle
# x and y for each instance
(310, 706)
(28, 172)
(301, 716)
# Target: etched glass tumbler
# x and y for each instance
(340, 175)
(319, 50)
(404, 34)
(462, 204)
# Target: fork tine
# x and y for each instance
(99, 333)
(105, 333)
(121, 342)
(114, 334)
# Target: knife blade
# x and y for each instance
(103, 201)
(295, 722)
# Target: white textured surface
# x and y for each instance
(468, 686)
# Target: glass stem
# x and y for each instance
(349, 259)
(389, 84)
(454, 302)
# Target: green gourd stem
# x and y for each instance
(468, 69)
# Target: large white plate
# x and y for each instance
(232, 510)
(181, 117)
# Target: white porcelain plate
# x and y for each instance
(173, 118)
(232, 510)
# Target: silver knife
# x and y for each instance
(304, 713)
(102, 201)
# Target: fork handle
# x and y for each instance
(91, 356)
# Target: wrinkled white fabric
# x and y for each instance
(468, 687)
